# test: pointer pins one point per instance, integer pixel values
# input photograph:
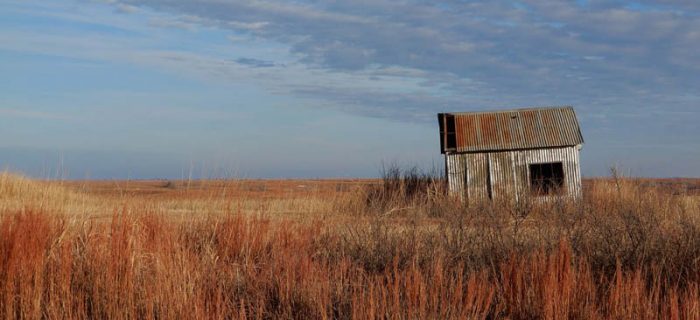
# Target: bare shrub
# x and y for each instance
(403, 190)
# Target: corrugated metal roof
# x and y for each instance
(510, 129)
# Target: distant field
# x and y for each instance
(345, 249)
(161, 190)
(264, 189)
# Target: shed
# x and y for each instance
(508, 154)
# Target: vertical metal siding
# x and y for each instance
(468, 173)
(477, 173)
(501, 169)
(456, 175)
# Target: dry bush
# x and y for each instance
(402, 191)
(625, 252)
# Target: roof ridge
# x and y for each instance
(510, 110)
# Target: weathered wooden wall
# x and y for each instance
(505, 175)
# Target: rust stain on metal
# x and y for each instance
(516, 129)
(547, 129)
(505, 128)
(458, 131)
(468, 131)
(489, 134)
(528, 124)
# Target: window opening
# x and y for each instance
(546, 178)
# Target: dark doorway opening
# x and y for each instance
(489, 183)
(546, 178)
(450, 133)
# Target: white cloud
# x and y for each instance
(436, 55)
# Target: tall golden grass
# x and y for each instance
(625, 252)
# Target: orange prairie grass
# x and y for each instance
(625, 252)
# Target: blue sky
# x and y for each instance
(285, 89)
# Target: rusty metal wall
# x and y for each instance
(505, 175)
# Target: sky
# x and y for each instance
(170, 89)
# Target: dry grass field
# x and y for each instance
(344, 249)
